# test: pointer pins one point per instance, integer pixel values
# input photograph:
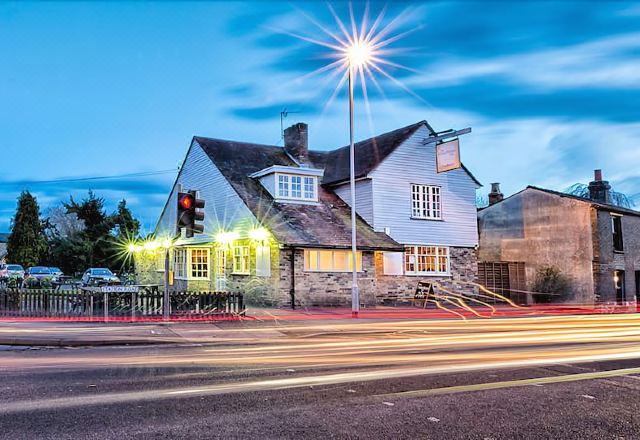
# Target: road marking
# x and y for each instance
(512, 383)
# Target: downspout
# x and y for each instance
(292, 288)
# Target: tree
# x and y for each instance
(27, 244)
(617, 198)
(127, 227)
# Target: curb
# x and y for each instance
(84, 343)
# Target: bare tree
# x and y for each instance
(617, 198)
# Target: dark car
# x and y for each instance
(98, 276)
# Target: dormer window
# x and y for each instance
(297, 187)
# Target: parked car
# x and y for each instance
(97, 276)
(55, 271)
(4, 272)
(36, 275)
(15, 271)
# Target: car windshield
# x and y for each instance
(101, 272)
(44, 270)
(55, 269)
(15, 267)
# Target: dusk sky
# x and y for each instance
(551, 90)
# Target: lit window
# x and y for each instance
(330, 260)
(425, 202)
(426, 260)
(199, 263)
(241, 260)
(295, 187)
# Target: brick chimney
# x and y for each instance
(599, 190)
(495, 195)
(296, 142)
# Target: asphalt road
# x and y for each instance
(556, 378)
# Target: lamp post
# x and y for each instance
(357, 56)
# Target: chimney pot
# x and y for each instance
(597, 175)
(296, 142)
(495, 195)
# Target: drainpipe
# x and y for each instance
(292, 289)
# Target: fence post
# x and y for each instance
(106, 306)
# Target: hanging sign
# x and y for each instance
(448, 156)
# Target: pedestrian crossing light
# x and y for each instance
(189, 213)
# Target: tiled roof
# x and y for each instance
(326, 224)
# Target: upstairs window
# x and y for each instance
(616, 227)
(297, 187)
(426, 202)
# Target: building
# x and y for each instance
(277, 220)
(591, 241)
(4, 237)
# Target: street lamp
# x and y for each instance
(358, 56)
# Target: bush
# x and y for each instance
(551, 285)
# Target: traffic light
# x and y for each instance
(189, 214)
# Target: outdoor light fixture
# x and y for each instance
(259, 234)
(166, 243)
(131, 247)
(151, 245)
(226, 237)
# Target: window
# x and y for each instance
(283, 185)
(180, 263)
(309, 188)
(191, 263)
(426, 260)
(297, 187)
(221, 265)
(616, 227)
(317, 260)
(425, 202)
(241, 260)
(199, 263)
(263, 261)
(392, 263)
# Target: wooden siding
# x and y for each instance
(224, 210)
(413, 162)
(364, 198)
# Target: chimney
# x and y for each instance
(599, 190)
(495, 195)
(296, 142)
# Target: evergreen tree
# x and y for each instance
(27, 244)
(127, 226)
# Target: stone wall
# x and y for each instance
(606, 260)
(334, 288)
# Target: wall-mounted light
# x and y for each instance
(259, 234)
(226, 237)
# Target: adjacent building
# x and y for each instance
(593, 242)
(277, 220)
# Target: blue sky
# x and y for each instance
(551, 90)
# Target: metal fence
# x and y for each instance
(87, 304)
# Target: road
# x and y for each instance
(559, 377)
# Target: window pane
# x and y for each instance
(326, 260)
(312, 260)
(340, 262)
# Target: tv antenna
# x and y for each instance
(283, 114)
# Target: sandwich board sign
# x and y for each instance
(448, 156)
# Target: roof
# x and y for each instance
(598, 205)
(369, 153)
(4, 237)
(325, 224)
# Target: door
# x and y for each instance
(638, 287)
(618, 279)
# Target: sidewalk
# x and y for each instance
(257, 325)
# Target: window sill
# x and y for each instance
(427, 219)
(443, 274)
(618, 252)
(241, 273)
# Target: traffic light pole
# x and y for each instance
(166, 306)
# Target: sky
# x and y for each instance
(90, 90)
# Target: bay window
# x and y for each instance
(191, 263)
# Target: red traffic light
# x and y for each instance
(186, 201)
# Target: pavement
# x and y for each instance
(257, 323)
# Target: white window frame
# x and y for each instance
(221, 269)
(420, 257)
(287, 185)
(312, 259)
(426, 202)
(204, 268)
(241, 266)
(184, 267)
